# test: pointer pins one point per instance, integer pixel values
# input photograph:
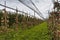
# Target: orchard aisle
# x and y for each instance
(39, 32)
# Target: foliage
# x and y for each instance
(24, 20)
(11, 19)
(1, 14)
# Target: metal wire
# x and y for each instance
(15, 9)
(37, 9)
(33, 9)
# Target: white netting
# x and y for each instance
(31, 5)
(41, 6)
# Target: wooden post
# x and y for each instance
(16, 19)
(5, 16)
(34, 14)
(27, 17)
(34, 18)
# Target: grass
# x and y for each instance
(39, 32)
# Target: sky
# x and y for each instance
(43, 5)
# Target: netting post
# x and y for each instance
(5, 16)
(16, 19)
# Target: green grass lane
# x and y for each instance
(38, 32)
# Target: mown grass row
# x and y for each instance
(39, 32)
